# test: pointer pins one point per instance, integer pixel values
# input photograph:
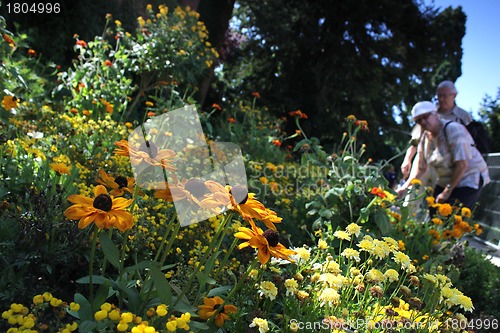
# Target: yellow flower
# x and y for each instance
(60, 168)
(38, 299)
(401, 258)
(268, 289)
(342, 235)
(10, 102)
(416, 182)
(210, 306)
(436, 221)
(101, 315)
(74, 306)
(322, 244)
(261, 324)
(466, 212)
(445, 209)
(105, 211)
(291, 286)
(353, 229)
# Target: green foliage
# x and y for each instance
(480, 279)
(117, 72)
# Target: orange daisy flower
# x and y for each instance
(105, 211)
(211, 305)
(267, 243)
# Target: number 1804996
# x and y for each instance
(33, 8)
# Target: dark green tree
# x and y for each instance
(490, 115)
(373, 59)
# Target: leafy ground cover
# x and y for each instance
(318, 242)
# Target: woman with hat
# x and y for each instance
(448, 147)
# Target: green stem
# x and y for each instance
(300, 128)
(203, 259)
(236, 288)
(91, 266)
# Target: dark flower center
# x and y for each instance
(121, 181)
(272, 236)
(216, 306)
(239, 193)
(103, 202)
(196, 187)
(150, 148)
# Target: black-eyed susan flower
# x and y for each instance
(103, 210)
(250, 208)
(267, 243)
(10, 102)
(211, 305)
(148, 153)
(118, 185)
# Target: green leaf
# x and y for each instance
(139, 266)
(87, 326)
(383, 222)
(162, 286)
(219, 291)
(109, 249)
(96, 279)
(101, 294)
(198, 326)
(204, 279)
(85, 312)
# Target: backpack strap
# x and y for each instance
(445, 136)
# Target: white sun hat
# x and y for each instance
(422, 108)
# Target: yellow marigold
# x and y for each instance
(466, 212)
(402, 245)
(446, 234)
(430, 201)
(351, 118)
(478, 228)
(445, 209)
(437, 221)
(416, 182)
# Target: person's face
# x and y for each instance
(428, 121)
(446, 98)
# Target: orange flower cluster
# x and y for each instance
(298, 113)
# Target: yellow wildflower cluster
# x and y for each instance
(22, 319)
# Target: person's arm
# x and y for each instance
(459, 168)
(420, 171)
(406, 165)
